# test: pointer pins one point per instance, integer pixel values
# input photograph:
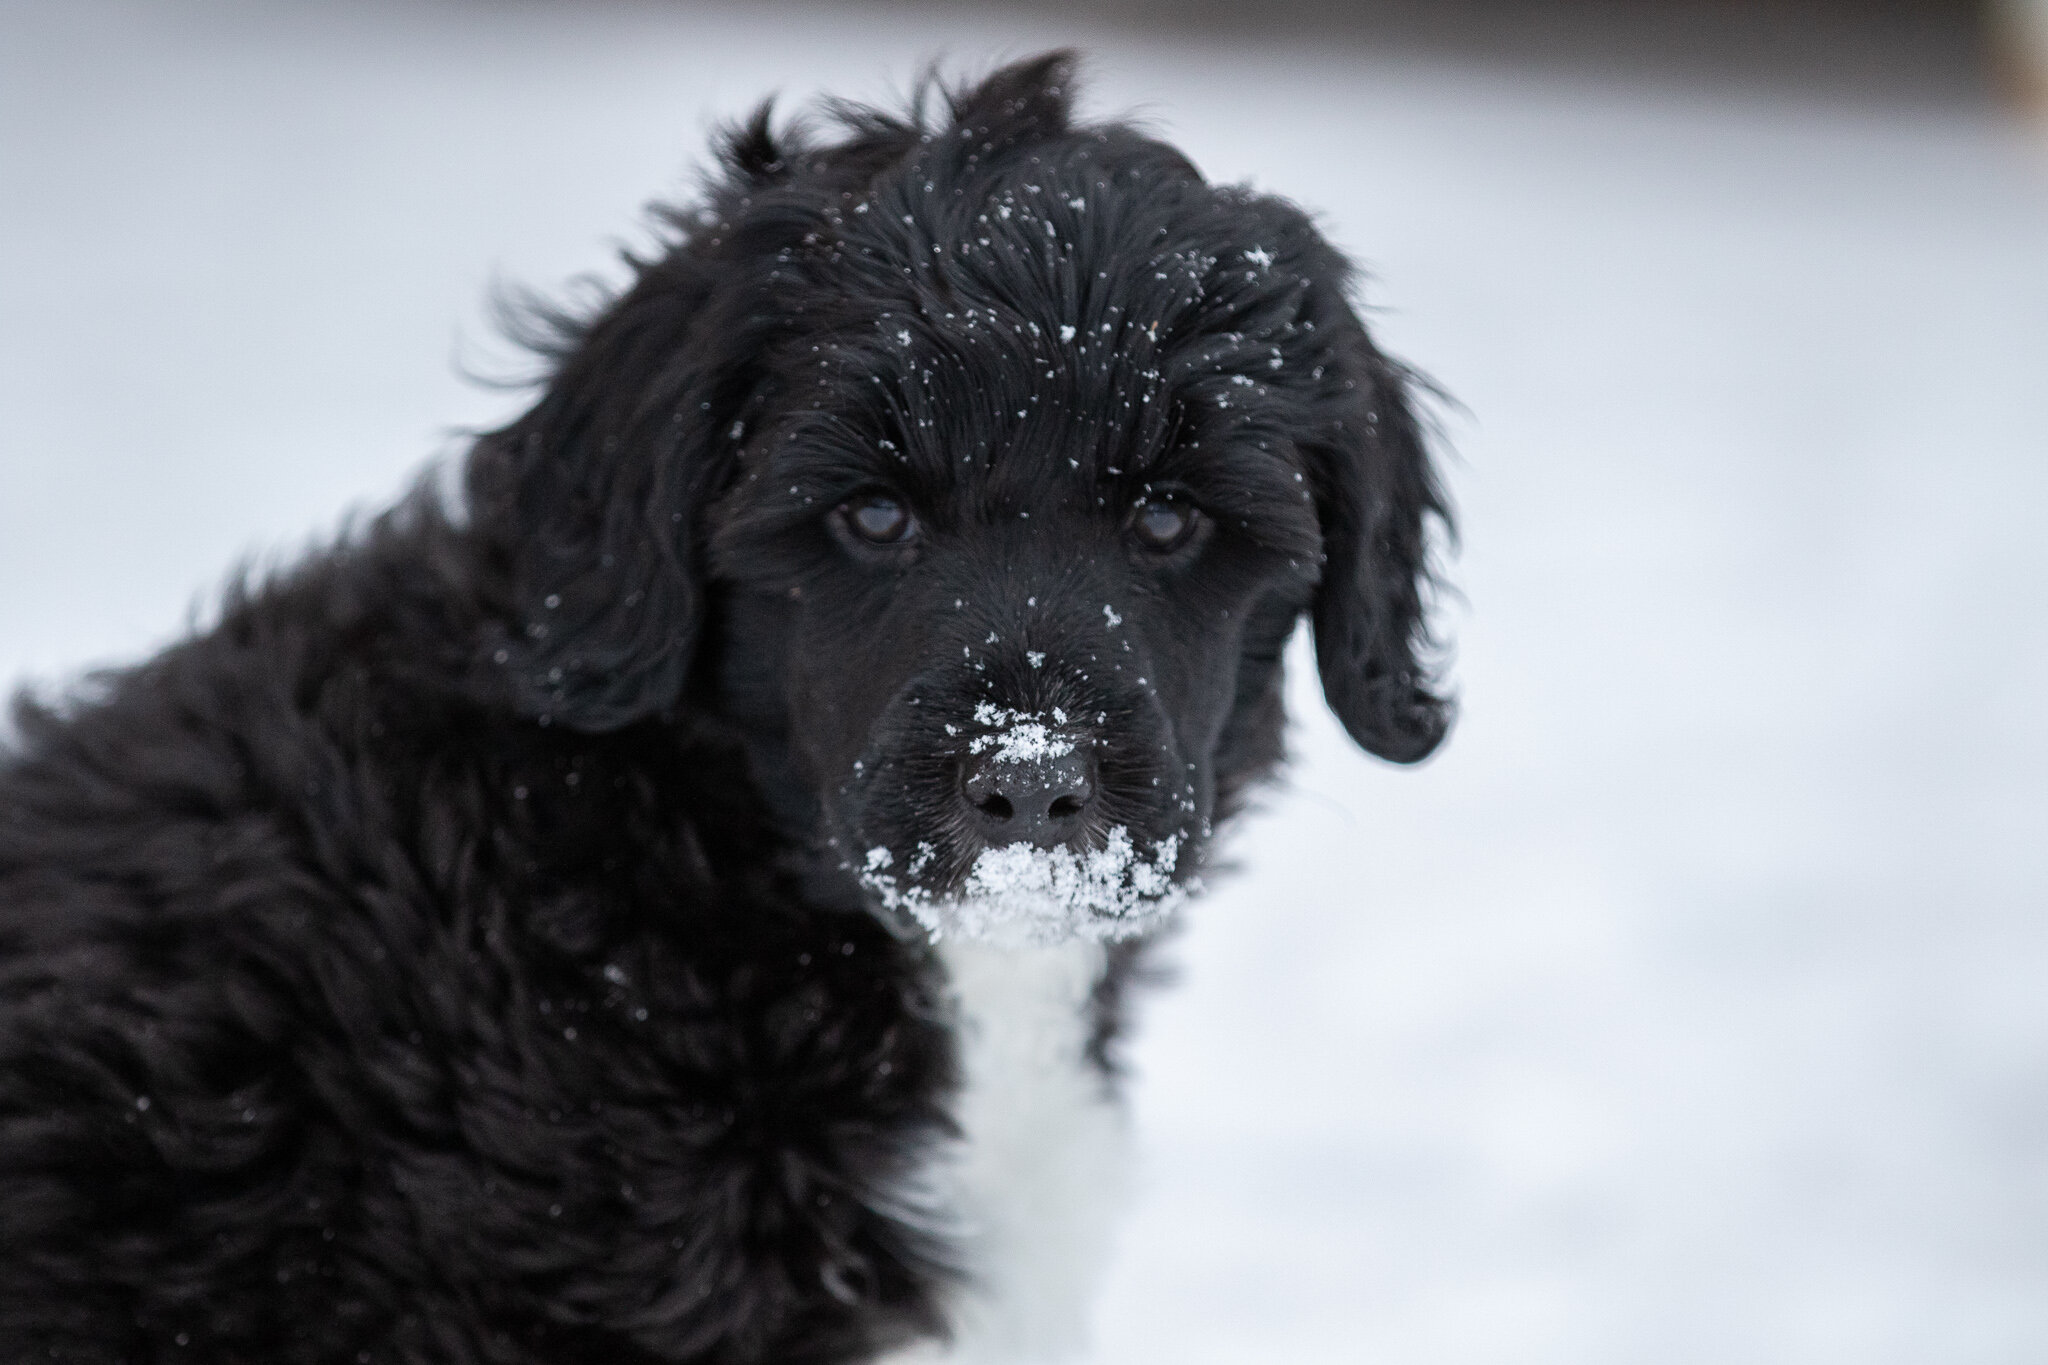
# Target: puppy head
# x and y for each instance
(978, 467)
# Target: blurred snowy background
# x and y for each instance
(1693, 1005)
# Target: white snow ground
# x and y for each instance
(1692, 1007)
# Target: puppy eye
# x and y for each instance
(1163, 523)
(878, 519)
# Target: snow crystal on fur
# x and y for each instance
(1020, 736)
(1020, 894)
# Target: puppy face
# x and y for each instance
(1012, 527)
(999, 460)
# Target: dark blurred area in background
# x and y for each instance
(1921, 51)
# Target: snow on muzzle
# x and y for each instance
(1048, 871)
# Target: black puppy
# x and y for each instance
(675, 905)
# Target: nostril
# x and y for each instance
(996, 807)
(1065, 807)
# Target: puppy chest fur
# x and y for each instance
(1032, 1185)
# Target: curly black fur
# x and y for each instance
(452, 956)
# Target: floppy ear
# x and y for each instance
(1377, 494)
(590, 503)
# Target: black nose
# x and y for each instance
(1028, 801)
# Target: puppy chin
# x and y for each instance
(1019, 895)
